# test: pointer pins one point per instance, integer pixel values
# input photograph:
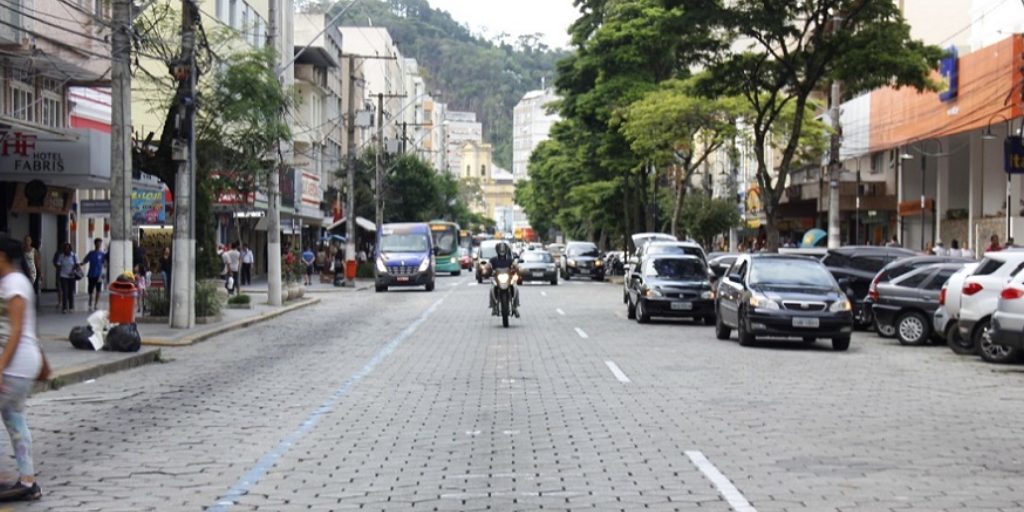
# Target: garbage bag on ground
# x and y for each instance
(79, 338)
(100, 323)
(123, 338)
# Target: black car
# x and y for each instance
(894, 270)
(538, 266)
(787, 296)
(907, 304)
(854, 268)
(582, 259)
(671, 286)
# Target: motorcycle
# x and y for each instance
(504, 294)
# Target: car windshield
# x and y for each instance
(403, 242)
(583, 250)
(488, 251)
(674, 249)
(537, 257)
(676, 268)
(790, 272)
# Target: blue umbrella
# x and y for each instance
(813, 238)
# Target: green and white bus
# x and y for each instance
(446, 247)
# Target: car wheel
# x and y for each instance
(883, 330)
(457, 273)
(841, 343)
(642, 316)
(430, 286)
(746, 339)
(554, 281)
(912, 329)
(958, 343)
(993, 353)
(862, 318)
(625, 297)
(380, 288)
(630, 309)
(721, 331)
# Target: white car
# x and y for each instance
(1005, 340)
(980, 296)
(945, 319)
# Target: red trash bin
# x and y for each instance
(350, 269)
(122, 302)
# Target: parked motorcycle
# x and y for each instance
(504, 294)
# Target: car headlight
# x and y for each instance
(571, 262)
(504, 278)
(425, 264)
(652, 292)
(551, 266)
(598, 263)
(840, 306)
(762, 302)
(381, 267)
(707, 294)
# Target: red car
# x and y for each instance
(465, 261)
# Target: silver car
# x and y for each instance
(1005, 342)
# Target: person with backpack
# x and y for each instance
(21, 364)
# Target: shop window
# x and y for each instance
(877, 163)
(483, 170)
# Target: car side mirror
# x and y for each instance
(718, 270)
(735, 277)
(844, 282)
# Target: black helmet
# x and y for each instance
(502, 249)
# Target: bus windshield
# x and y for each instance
(403, 242)
(446, 238)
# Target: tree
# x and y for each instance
(791, 49)
(705, 218)
(678, 129)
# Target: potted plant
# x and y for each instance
(242, 301)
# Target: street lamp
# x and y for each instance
(924, 166)
(988, 136)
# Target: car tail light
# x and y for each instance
(972, 288)
(942, 297)
(1011, 293)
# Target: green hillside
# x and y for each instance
(469, 72)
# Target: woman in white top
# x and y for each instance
(21, 362)
(33, 263)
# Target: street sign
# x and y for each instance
(94, 207)
(1013, 155)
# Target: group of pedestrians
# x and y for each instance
(69, 272)
(237, 260)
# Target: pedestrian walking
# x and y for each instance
(33, 264)
(939, 249)
(67, 269)
(234, 261)
(22, 363)
(166, 262)
(247, 261)
(95, 259)
(309, 259)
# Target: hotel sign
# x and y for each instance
(76, 159)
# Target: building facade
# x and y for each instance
(460, 128)
(531, 125)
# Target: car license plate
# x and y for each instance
(682, 306)
(538, 274)
(403, 279)
(806, 322)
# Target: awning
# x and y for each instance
(365, 224)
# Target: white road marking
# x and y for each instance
(455, 284)
(581, 333)
(543, 294)
(617, 372)
(472, 284)
(732, 495)
(560, 312)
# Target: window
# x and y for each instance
(914, 279)
(939, 280)
(876, 163)
(257, 32)
(23, 95)
(869, 263)
(483, 170)
(52, 104)
(469, 171)
(987, 267)
(233, 13)
(219, 9)
(245, 18)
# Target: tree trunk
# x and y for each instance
(677, 208)
(771, 229)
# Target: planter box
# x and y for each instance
(239, 306)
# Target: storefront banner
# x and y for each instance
(1013, 155)
(79, 159)
(311, 193)
(149, 204)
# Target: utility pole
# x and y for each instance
(378, 195)
(835, 166)
(183, 280)
(274, 183)
(120, 139)
(350, 176)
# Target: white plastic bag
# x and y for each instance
(100, 323)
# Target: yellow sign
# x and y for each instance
(754, 204)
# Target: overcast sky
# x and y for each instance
(549, 17)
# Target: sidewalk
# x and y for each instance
(259, 286)
(71, 366)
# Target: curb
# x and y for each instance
(83, 372)
(234, 326)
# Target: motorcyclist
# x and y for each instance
(504, 260)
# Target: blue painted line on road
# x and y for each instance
(267, 461)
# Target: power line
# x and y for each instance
(54, 25)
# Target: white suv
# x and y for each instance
(980, 295)
(946, 317)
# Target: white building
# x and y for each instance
(531, 125)
(460, 128)
(383, 69)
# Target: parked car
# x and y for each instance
(719, 263)
(980, 297)
(538, 266)
(671, 285)
(582, 259)
(948, 315)
(854, 268)
(894, 270)
(906, 304)
(487, 251)
(639, 241)
(1006, 334)
(779, 295)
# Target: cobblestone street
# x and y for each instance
(421, 401)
